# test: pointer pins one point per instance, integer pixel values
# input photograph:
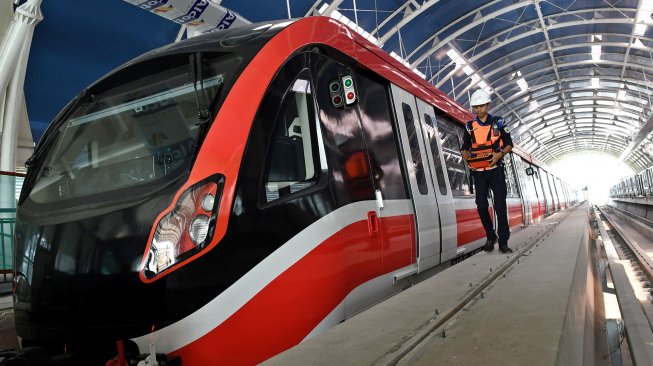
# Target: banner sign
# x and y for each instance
(200, 16)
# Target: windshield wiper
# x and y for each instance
(197, 76)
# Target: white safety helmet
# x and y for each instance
(480, 97)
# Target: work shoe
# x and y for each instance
(505, 249)
(489, 245)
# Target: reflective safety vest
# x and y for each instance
(485, 140)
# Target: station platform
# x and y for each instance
(541, 305)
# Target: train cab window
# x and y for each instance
(292, 157)
(451, 136)
(409, 119)
(433, 143)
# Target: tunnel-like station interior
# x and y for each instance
(320, 182)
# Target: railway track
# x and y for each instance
(631, 270)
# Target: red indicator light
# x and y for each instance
(350, 95)
(337, 100)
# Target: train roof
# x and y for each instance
(248, 40)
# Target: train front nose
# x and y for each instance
(78, 280)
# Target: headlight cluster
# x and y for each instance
(186, 229)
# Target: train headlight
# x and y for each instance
(207, 202)
(199, 229)
(185, 230)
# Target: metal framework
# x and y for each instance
(547, 89)
(568, 75)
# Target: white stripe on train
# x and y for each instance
(214, 313)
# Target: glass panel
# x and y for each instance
(291, 160)
(511, 182)
(141, 131)
(416, 154)
(380, 136)
(433, 143)
(10, 186)
(451, 137)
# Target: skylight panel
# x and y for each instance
(595, 83)
(621, 95)
(643, 16)
(581, 110)
(523, 85)
(596, 52)
(553, 115)
(468, 70)
(455, 57)
(533, 106)
(582, 94)
(582, 102)
(551, 108)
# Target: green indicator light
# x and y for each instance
(348, 83)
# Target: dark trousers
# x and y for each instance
(496, 181)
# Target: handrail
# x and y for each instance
(15, 174)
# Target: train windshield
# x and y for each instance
(142, 131)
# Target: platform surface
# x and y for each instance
(521, 319)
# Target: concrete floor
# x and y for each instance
(541, 313)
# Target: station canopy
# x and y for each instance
(568, 75)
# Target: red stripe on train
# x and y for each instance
(293, 304)
(515, 215)
(469, 225)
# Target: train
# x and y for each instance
(636, 186)
(226, 197)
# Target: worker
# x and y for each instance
(484, 145)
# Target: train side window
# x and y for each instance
(409, 119)
(291, 165)
(433, 143)
(380, 137)
(511, 182)
(451, 136)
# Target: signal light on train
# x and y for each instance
(186, 230)
(349, 89)
(336, 93)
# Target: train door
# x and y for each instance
(427, 226)
(524, 191)
(513, 200)
(546, 192)
(442, 188)
(554, 194)
(563, 195)
(540, 206)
